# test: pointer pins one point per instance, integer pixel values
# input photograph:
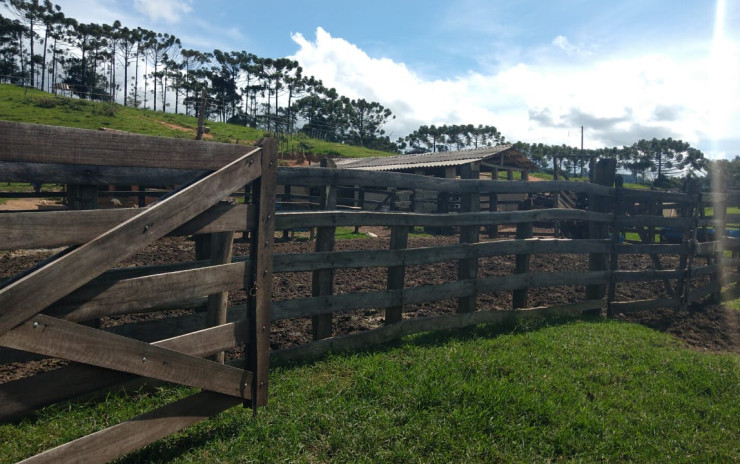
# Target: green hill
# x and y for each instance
(34, 106)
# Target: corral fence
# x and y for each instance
(43, 311)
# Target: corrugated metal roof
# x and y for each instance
(427, 160)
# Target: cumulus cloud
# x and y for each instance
(169, 11)
(618, 99)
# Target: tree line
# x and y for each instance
(659, 162)
(42, 47)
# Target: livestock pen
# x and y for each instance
(81, 284)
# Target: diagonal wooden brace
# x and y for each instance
(55, 337)
(29, 296)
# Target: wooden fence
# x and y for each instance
(41, 310)
(61, 296)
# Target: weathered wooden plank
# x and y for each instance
(222, 246)
(87, 174)
(372, 338)
(35, 143)
(140, 293)
(605, 175)
(428, 255)
(54, 337)
(290, 309)
(468, 268)
(322, 281)
(647, 275)
(262, 263)
(396, 274)
(626, 307)
(120, 439)
(51, 229)
(75, 380)
(651, 249)
(31, 294)
(520, 297)
(352, 177)
(288, 220)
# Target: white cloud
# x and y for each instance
(565, 45)
(619, 100)
(169, 11)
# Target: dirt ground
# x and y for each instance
(714, 328)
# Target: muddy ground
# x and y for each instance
(711, 327)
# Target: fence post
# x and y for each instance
(222, 245)
(397, 274)
(468, 268)
(492, 229)
(520, 298)
(260, 275)
(82, 196)
(614, 259)
(606, 170)
(322, 281)
(720, 224)
(686, 260)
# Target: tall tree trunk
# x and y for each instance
(43, 61)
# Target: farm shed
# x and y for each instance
(464, 164)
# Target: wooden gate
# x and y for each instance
(41, 310)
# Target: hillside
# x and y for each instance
(34, 106)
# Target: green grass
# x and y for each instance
(35, 106)
(577, 392)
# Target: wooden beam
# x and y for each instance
(396, 274)
(51, 229)
(108, 444)
(30, 295)
(54, 337)
(427, 255)
(262, 273)
(289, 220)
(222, 246)
(383, 179)
(87, 174)
(75, 380)
(129, 295)
(520, 297)
(33, 143)
(468, 268)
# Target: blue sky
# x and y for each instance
(624, 69)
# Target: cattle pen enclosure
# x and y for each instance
(48, 309)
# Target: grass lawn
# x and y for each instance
(580, 391)
(35, 106)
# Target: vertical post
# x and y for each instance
(222, 245)
(443, 201)
(82, 196)
(322, 281)
(468, 268)
(520, 298)
(492, 229)
(605, 175)
(260, 290)
(614, 259)
(720, 226)
(396, 274)
(201, 114)
(686, 260)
